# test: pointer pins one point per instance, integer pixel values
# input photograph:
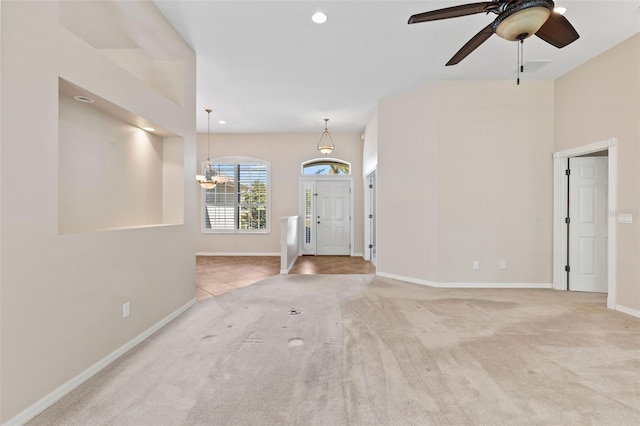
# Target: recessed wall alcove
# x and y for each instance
(123, 34)
(112, 174)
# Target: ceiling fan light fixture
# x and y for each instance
(522, 23)
(561, 10)
(516, 21)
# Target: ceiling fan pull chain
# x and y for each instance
(518, 68)
(520, 59)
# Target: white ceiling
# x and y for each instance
(264, 66)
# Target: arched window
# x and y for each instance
(326, 166)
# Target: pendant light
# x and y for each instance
(326, 145)
(211, 177)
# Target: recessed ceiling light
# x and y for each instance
(222, 122)
(149, 129)
(85, 99)
(319, 18)
(560, 10)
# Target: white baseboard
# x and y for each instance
(359, 255)
(407, 279)
(463, 285)
(54, 396)
(293, 262)
(225, 253)
(628, 311)
(495, 285)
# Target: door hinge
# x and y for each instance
(567, 172)
(370, 186)
(370, 246)
(370, 216)
(567, 220)
(567, 268)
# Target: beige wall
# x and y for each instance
(286, 152)
(597, 101)
(464, 175)
(407, 179)
(62, 295)
(109, 174)
(495, 181)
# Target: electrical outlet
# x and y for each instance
(502, 264)
(125, 310)
(476, 264)
(625, 218)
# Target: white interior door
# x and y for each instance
(588, 224)
(333, 217)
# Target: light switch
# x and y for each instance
(625, 218)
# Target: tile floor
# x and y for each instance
(216, 275)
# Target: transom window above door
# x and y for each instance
(326, 166)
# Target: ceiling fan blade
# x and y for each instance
(472, 45)
(558, 31)
(455, 11)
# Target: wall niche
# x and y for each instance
(112, 174)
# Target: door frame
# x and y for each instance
(301, 209)
(370, 209)
(560, 193)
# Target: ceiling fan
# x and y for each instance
(516, 21)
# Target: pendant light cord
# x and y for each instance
(208, 135)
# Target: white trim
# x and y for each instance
(463, 285)
(560, 212)
(358, 255)
(559, 226)
(496, 285)
(293, 262)
(239, 253)
(368, 211)
(407, 279)
(586, 149)
(627, 311)
(612, 231)
(52, 397)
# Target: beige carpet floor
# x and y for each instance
(364, 350)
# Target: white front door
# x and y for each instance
(333, 217)
(588, 183)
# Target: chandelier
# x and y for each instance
(325, 145)
(211, 176)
